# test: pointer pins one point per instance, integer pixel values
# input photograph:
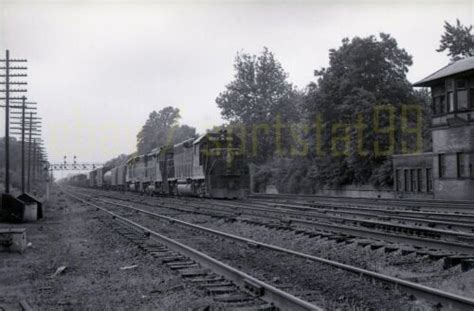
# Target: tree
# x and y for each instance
(180, 133)
(255, 98)
(363, 73)
(118, 160)
(162, 129)
(458, 40)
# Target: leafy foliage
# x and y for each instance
(363, 73)
(287, 175)
(119, 160)
(162, 129)
(258, 95)
(458, 40)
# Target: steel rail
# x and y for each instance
(457, 247)
(323, 214)
(378, 214)
(395, 200)
(406, 212)
(448, 300)
(407, 203)
(361, 232)
(358, 206)
(281, 299)
(366, 233)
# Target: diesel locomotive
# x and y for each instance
(212, 165)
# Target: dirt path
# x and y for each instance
(71, 236)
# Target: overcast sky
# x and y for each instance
(97, 69)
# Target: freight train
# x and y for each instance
(212, 165)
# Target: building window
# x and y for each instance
(429, 180)
(442, 165)
(461, 95)
(438, 105)
(441, 104)
(405, 179)
(461, 164)
(420, 180)
(462, 99)
(398, 182)
(450, 102)
(413, 180)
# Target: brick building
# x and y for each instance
(451, 164)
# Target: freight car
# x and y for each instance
(100, 178)
(78, 180)
(92, 179)
(118, 176)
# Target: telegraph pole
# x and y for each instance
(23, 145)
(37, 157)
(22, 128)
(29, 152)
(7, 121)
(7, 83)
(28, 126)
(34, 159)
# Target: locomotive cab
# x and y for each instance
(221, 161)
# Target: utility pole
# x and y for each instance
(34, 159)
(29, 152)
(24, 106)
(48, 180)
(7, 83)
(29, 125)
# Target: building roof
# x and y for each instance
(199, 139)
(448, 70)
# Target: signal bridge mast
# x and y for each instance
(74, 166)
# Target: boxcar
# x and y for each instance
(103, 178)
(113, 182)
(92, 179)
(118, 176)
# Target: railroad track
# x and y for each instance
(435, 241)
(456, 221)
(367, 220)
(407, 204)
(447, 300)
(182, 257)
